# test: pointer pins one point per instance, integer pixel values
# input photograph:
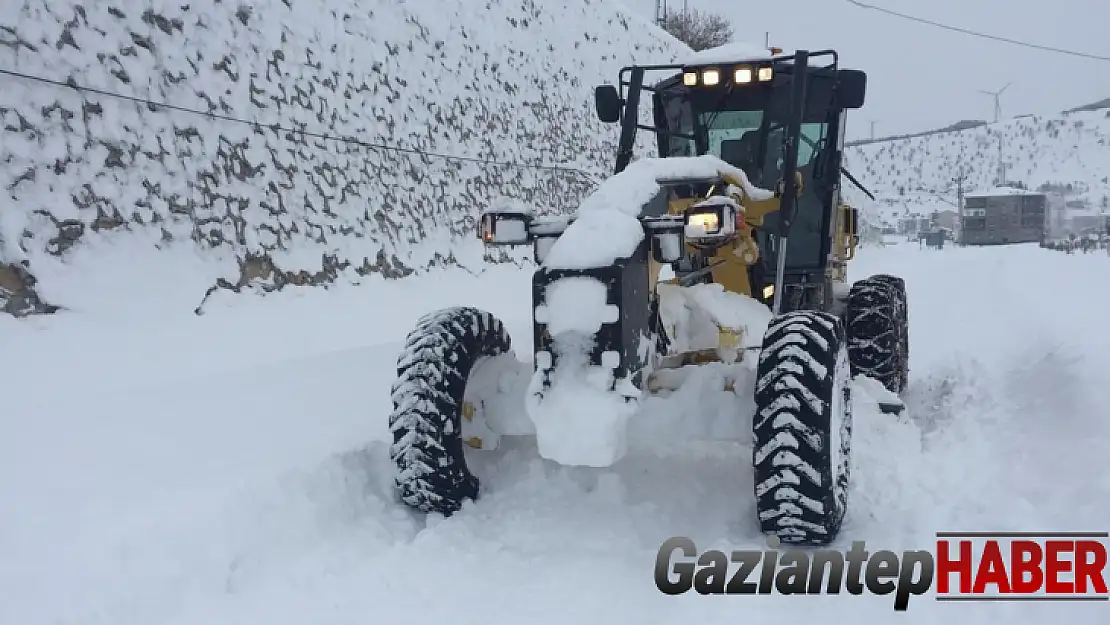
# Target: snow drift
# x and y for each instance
(326, 139)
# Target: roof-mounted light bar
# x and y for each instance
(741, 75)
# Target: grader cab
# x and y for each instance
(781, 121)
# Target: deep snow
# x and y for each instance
(159, 468)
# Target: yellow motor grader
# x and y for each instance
(743, 205)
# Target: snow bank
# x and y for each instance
(608, 227)
(328, 177)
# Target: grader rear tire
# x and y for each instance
(878, 330)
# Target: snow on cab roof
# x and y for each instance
(736, 52)
(997, 191)
(607, 226)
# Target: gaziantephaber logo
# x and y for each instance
(964, 566)
(1021, 566)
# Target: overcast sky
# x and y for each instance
(922, 77)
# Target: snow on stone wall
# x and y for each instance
(350, 107)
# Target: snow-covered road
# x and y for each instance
(161, 469)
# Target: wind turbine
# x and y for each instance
(997, 100)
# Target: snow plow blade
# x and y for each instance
(672, 371)
(889, 402)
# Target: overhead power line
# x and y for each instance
(72, 84)
(981, 35)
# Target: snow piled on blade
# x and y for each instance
(875, 390)
(732, 310)
(607, 226)
(578, 421)
(692, 315)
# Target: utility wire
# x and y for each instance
(981, 35)
(72, 84)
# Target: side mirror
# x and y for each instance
(851, 88)
(855, 221)
(505, 227)
(608, 103)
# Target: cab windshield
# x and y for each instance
(734, 137)
(751, 138)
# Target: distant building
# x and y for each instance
(946, 219)
(1003, 215)
(910, 226)
(916, 225)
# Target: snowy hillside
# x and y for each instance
(1070, 151)
(338, 98)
